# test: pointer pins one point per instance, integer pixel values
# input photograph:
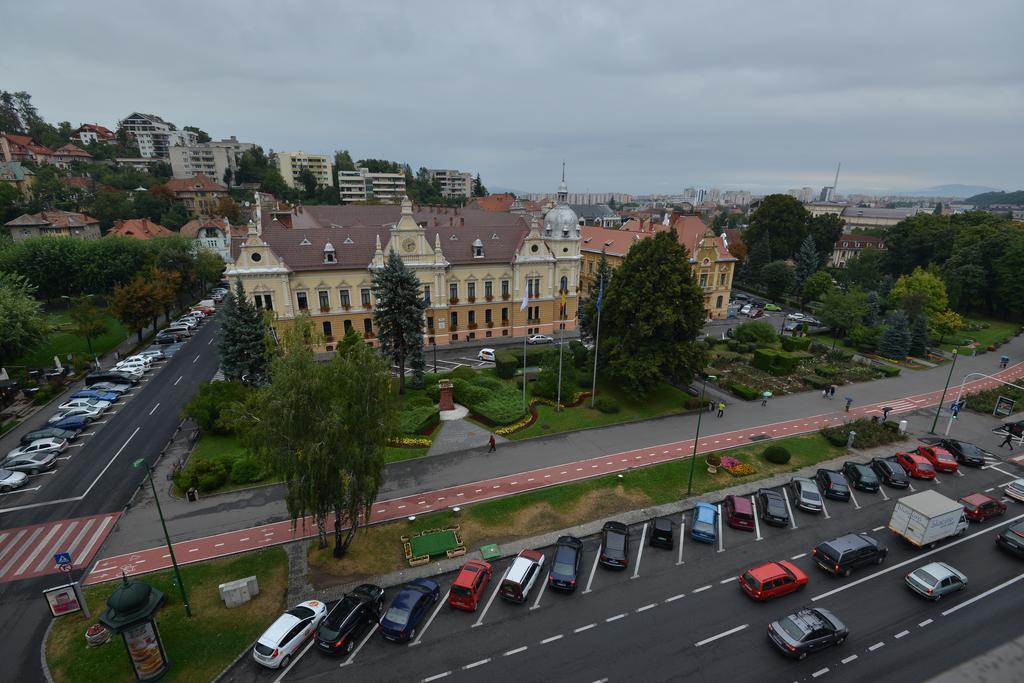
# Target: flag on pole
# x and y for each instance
(563, 303)
(600, 293)
(526, 299)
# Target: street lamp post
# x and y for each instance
(943, 398)
(170, 548)
(434, 345)
(700, 411)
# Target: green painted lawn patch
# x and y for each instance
(62, 341)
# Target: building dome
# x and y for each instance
(561, 220)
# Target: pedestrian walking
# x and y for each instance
(1008, 440)
(711, 406)
(1004, 361)
(764, 398)
(831, 391)
(885, 413)
(492, 442)
(721, 408)
(849, 402)
(824, 392)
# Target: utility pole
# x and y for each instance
(943, 398)
(170, 548)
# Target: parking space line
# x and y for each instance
(789, 508)
(540, 593)
(682, 535)
(295, 661)
(823, 508)
(854, 499)
(911, 487)
(721, 538)
(797, 557)
(593, 569)
(757, 524)
(881, 489)
(878, 528)
(640, 552)
(494, 594)
(442, 603)
(723, 634)
(987, 593)
(551, 639)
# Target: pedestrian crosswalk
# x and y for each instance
(28, 551)
(902, 405)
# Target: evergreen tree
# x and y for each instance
(807, 261)
(242, 353)
(895, 340)
(872, 317)
(758, 257)
(478, 187)
(919, 335)
(399, 317)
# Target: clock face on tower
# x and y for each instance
(409, 244)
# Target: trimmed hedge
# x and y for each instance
(246, 470)
(870, 433)
(505, 364)
(744, 392)
(796, 343)
(777, 454)
(775, 362)
(606, 405)
(756, 331)
(417, 419)
(887, 370)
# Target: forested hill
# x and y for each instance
(986, 199)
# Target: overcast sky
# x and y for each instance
(636, 96)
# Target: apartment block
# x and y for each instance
(211, 159)
(155, 136)
(453, 183)
(290, 164)
(361, 185)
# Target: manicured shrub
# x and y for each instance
(763, 359)
(501, 409)
(606, 405)
(465, 373)
(870, 433)
(433, 391)
(246, 470)
(748, 347)
(468, 393)
(776, 454)
(734, 345)
(743, 391)
(505, 364)
(887, 370)
(580, 354)
(796, 343)
(585, 379)
(206, 475)
(826, 370)
(209, 404)
(817, 382)
(757, 332)
(415, 420)
(817, 347)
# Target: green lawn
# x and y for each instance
(224, 448)
(199, 647)
(995, 333)
(665, 400)
(61, 342)
(396, 454)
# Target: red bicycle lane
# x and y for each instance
(254, 538)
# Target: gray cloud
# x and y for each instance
(636, 96)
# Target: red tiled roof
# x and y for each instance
(28, 144)
(199, 183)
(101, 131)
(139, 228)
(70, 150)
(86, 183)
(612, 242)
(54, 218)
(500, 202)
(192, 228)
(353, 230)
(689, 230)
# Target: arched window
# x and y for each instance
(565, 284)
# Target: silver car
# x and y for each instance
(33, 463)
(1015, 490)
(47, 445)
(10, 480)
(935, 580)
(805, 494)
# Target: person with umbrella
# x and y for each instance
(849, 402)
(764, 397)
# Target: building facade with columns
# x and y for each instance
(474, 268)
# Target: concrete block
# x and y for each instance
(239, 592)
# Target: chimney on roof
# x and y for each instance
(462, 220)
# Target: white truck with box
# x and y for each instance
(926, 518)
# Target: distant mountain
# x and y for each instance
(990, 198)
(951, 191)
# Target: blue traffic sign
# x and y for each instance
(62, 558)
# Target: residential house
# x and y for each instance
(140, 229)
(154, 136)
(290, 164)
(23, 148)
(849, 246)
(70, 154)
(20, 176)
(474, 267)
(362, 185)
(597, 214)
(93, 132)
(199, 195)
(453, 183)
(54, 224)
(215, 159)
(214, 234)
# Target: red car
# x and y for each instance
(941, 459)
(978, 507)
(206, 310)
(772, 580)
(916, 465)
(468, 587)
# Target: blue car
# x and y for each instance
(705, 523)
(95, 393)
(76, 423)
(409, 609)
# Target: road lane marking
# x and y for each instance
(987, 593)
(725, 581)
(515, 651)
(435, 677)
(195, 359)
(41, 546)
(881, 489)
(494, 594)
(675, 597)
(593, 570)
(848, 659)
(757, 525)
(178, 380)
(819, 672)
(797, 557)
(211, 341)
(640, 553)
(477, 663)
(789, 509)
(647, 607)
(551, 639)
(540, 593)
(918, 558)
(723, 634)
(702, 588)
(154, 408)
(876, 646)
(901, 634)
(925, 622)
(59, 543)
(581, 629)
(878, 528)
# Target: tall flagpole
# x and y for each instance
(561, 337)
(597, 341)
(521, 307)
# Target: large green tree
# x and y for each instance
(825, 230)
(22, 323)
(135, 304)
(478, 187)
(322, 428)
(653, 313)
(87, 320)
(807, 261)
(780, 220)
(242, 348)
(842, 311)
(920, 291)
(777, 278)
(817, 287)
(865, 270)
(399, 317)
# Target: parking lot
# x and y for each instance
(684, 604)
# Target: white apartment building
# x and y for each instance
(211, 159)
(584, 197)
(290, 164)
(155, 136)
(361, 185)
(453, 183)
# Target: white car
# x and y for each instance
(88, 413)
(152, 354)
(10, 480)
(39, 446)
(181, 330)
(137, 368)
(1015, 490)
(795, 316)
(190, 323)
(540, 339)
(85, 403)
(288, 634)
(486, 354)
(747, 308)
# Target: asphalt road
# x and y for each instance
(669, 621)
(98, 478)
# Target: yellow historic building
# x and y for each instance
(474, 267)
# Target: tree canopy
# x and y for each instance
(781, 221)
(242, 348)
(24, 325)
(399, 317)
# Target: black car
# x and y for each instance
(165, 339)
(661, 533)
(844, 554)
(965, 453)
(565, 565)
(861, 476)
(350, 619)
(614, 545)
(773, 507)
(76, 423)
(111, 376)
(833, 484)
(50, 433)
(1011, 539)
(806, 631)
(890, 472)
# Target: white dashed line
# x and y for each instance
(901, 634)
(647, 607)
(702, 588)
(178, 380)
(551, 639)
(797, 557)
(581, 629)
(515, 651)
(476, 664)
(875, 647)
(436, 677)
(878, 528)
(819, 672)
(723, 581)
(615, 618)
(848, 659)
(925, 623)
(675, 597)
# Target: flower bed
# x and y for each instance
(531, 416)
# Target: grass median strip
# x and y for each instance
(558, 507)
